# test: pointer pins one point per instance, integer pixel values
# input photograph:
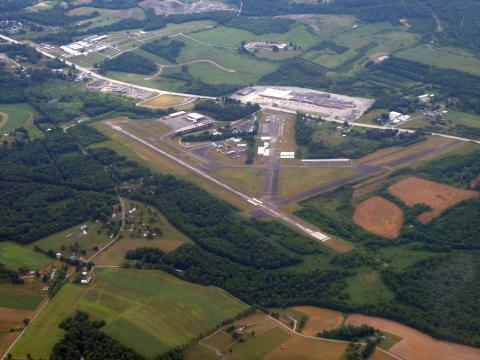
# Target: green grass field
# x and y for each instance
(97, 236)
(367, 288)
(14, 256)
(149, 311)
(19, 297)
(20, 114)
(384, 39)
(444, 57)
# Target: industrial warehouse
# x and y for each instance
(292, 99)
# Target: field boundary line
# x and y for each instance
(37, 312)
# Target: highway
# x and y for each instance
(105, 78)
(163, 92)
(275, 213)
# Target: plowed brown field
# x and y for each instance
(379, 216)
(319, 319)
(416, 345)
(439, 197)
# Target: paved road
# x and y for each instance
(273, 165)
(275, 213)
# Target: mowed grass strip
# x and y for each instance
(14, 256)
(165, 310)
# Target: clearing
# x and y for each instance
(134, 304)
(379, 216)
(415, 344)
(439, 197)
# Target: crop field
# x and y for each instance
(65, 240)
(444, 57)
(439, 197)
(380, 217)
(272, 340)
(133, 303)
(416, 345)
(14, 256)
(21, 297)
(319, 319)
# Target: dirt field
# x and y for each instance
(12, 318)
(415, 344)
(3, 119)
(115, 255)
(300, 348)
(319, 319)
(439, 197)
(338, 245)
(379, 216)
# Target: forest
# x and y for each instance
(53, 175)
(227, 109)
(129, 62)
(169, 50)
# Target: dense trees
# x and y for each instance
(259, 287)
(129, 62)
(169, 50)
(348, 332)
(439, 295)
(83, 339)
(48, 185)
(227, 109)
(20, 50)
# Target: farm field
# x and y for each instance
(133, 304)
(319, 319)
(416, 345)
(14, 256)
(17, 302)
(132, 13)
(380, 217)
(444, 57)
(25, 297)
(439, 197)
(272, 340)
